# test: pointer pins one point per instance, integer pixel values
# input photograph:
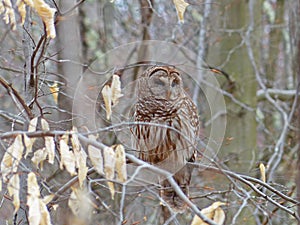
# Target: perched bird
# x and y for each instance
(168, 138)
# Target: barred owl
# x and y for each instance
(169, 127)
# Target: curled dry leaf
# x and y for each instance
(106, 94)
(109, 168)
(22, 10)
(116, 89)
(43, 9)
(11, 158)
(49, 142)
(9, 15)
(180, 6)
(67, 158)
(213, 212)
(39, 157)
(262, 169)
(13, 188)
(47, 15)
(121, 163)
(48, 198)
(34, 213)
(54, 89)
(96, 156)
(80, 157)
(38, 212)
(111, 94)
(30, 141)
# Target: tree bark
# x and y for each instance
(70, 51)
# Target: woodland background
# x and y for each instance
(252, 47)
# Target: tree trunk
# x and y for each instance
(69, 48)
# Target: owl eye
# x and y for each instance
(175, 83)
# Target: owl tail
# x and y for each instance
(170, 196)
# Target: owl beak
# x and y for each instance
(169, 93)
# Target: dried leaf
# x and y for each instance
(22, 10)
(39, 157)
(54, 89)
(67, 157)
(45, 216)
(121, 164)
(109, 168)
(213, 212)
(262, 169)
(80, 157)
(180, 6)
(47, 15)
(96, 156)
(34, 213)
(115, 89)
(13, 188)
(107, 97)
(49, 142)
(11, 158)
(48, 198)
(30, 141)
(38, 212)
(9, 15)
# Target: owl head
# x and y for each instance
(161, 82)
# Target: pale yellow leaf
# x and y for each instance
(121, 164)
(48, 198)
(33, 200)
(49, 142)
(0, 185)
(262, 169)
(50, 148)
(115, 89)
(45, 215)
(82, 168)
(28, 144)
(54, 89)
(11, 158)
(39, 157)
(45, 125)
(47, 15)
(107, 97)
(33, 187)
(213, 212)
(2, 9)
(80, 157)
(109, 168)
(22, 10)
(96, 156)
(13, 188)
(9, 15)
(180, 6)
(30, 141)
(67, 158)
(75, 141)
(38, 213)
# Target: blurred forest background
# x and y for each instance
(251, 48)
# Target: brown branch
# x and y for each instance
(13, 91)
